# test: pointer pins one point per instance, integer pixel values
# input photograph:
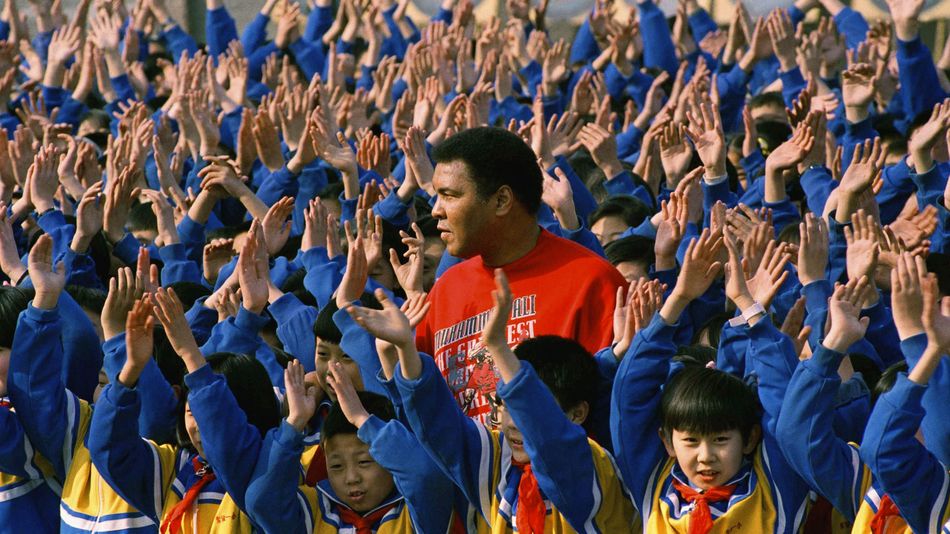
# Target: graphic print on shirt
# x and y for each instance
(467, 365)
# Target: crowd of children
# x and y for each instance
(361, 276)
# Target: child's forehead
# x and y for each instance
(344, 446)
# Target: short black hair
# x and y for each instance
(336, 422)
(939, 264)
(87, 297)
(142, 218)
(712, 328)
(695, 355)
(565, 367)
(887, 380)
(771, 98)
(631, 210)
(324, 327)
(634, 248)
(189, 292)
(495, 157)
(249, 383)
(13, 301)
(772, 134)
(707, 401)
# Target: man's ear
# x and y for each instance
(667, 442)
(579, 413)
(755, 435)
(503, 201)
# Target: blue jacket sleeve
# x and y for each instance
(220, 30)
(295, 328)
(318, 22)
(125, 461)
(659, 52)
(882, 333)
(829, 465)
(231, 444)
(584, 46)
(584, 202)
(241, 334)
(918, 77)
(323, 275)
(731, 353)
(178, 42)
(930, 186)
(635, 405)
(177, 266)
(254, 33)
(273, 501)
(560, 454)
(906, 470)
(462, 448)
(774, 360)
(310, 57)
(818, 185)
(897, 188)
(427, 491)
(852, 25)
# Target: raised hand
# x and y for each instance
(906, 15)
(602, 146)
(47, 281)
(812, 249)
(844, 311)
(863, 250)
(409, 274)
(170, 312)
(356, 274)
(88, 218)
(700, 268)
(770, 275)
(924, 139)
(907, 294)
(705, 129)
(301, 397)
(389, 324)
(346, 395)
(865, 166)
(10, 262)
(793, 327)
(216, 255)
(253, 271)
(138, 341)
(275, 227)
(558, 195)
(669, 232)
(857, 90)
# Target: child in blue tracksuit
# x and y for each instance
(716, 462)
(173, 485)
(379, 477)
(914, 480)
(541, 473)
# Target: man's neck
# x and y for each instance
(517, 240)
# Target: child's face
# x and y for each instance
(191, 426)
(513, 436)
(710, 460)
(354, 475)
(328, 353)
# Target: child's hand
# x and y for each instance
(700, 266)
(138, 341)
(813, 249)
(388, 324)
(907, 299)
(253, 271)
(346, 395)
(495, 333)
(409, 274)
(301, 397)
(844, 309)
(356, 274)
(792, 327)
(936, 318)
(171, 314)
(47, 281)
(123, 293)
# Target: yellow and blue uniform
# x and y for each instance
(154, 478)
(28, 494)
(911, 475)
(421, 502)
(578, 479)
(57, 423)
(769, 497)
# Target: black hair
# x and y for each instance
(772, 134)
(631, 210)
(228, 232)
(189, 292)
(939, 264)
(565, 367)
(494, 158)
(324, 327)
(141, 218)
(790, 234)
(429, 226)
(870, 372)
(712, 328)
(87, 297)
(887, 380)
(13, 301)
(336, 422)
(695, 355)
(294, 284)
(634, 248)
(772, 98)
(706, 401)
(169, 362)
(248, 381)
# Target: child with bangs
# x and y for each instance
(714, 464)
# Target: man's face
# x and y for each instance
(709, 460)
(328, 353)
(463, 216)
(354, 475)
(608, 229)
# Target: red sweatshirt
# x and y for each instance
(559, 288)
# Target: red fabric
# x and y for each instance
(4, 403)
(173, 520)
(364, 523)
(318, 468)
(559, 288)
(819, 517)
(700, 519)
(531, 509)
(886, 510)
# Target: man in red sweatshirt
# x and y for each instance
(489, 191)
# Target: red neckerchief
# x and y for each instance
(531, 509)
(885, 511)
(700, 519)
(173, 520)
(364, 523)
